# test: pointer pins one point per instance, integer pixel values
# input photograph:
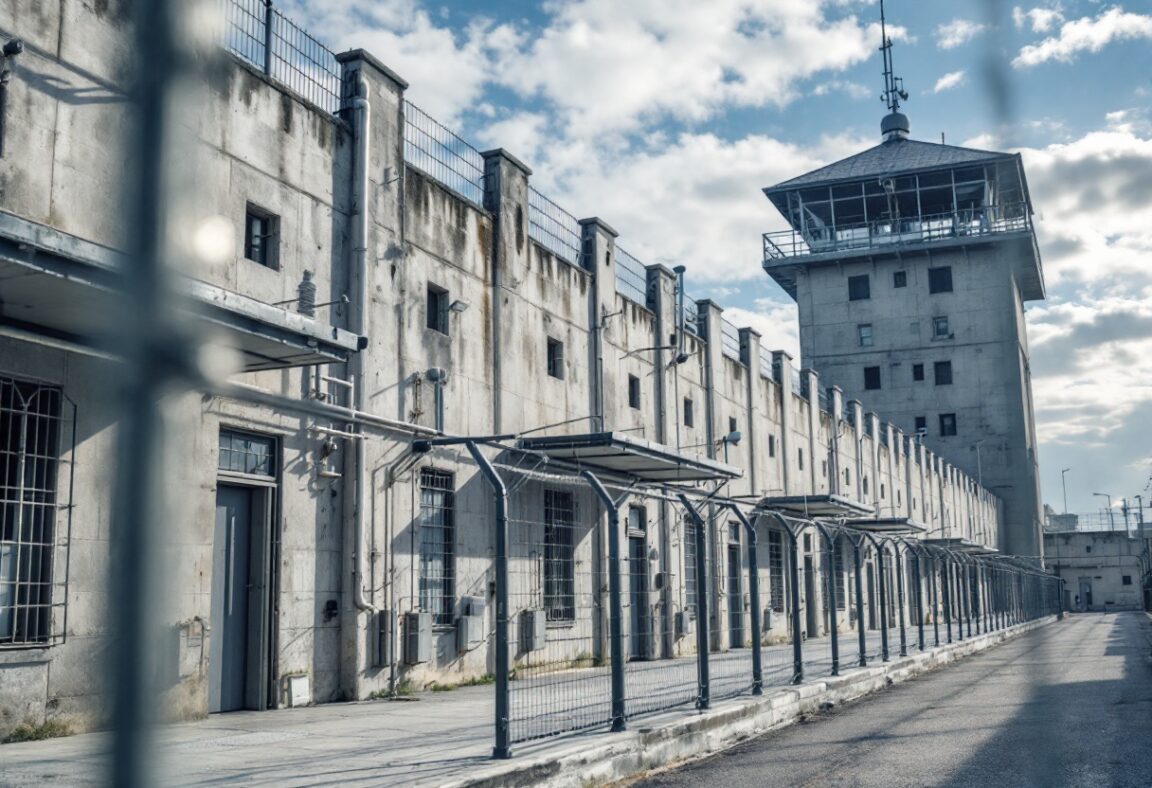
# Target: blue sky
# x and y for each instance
(666, 117)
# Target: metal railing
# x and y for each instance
(729, 339)
(784, 244)
(765, 362)
(440, 153)
(553, 227)
(691, 316)
(631, 278)
(261, 36)
(825, 401)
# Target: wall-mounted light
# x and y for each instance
(458, 306)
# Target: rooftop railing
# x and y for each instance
(691, 317)
(553, 227)
(631, 278)
(785, 244)
(765, 362)
(261, 36)
(729, 339)
(440, 153)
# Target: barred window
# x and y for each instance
(559, 555)
(690, 566)
(244, 453)
(838, 574)
(30, 430)
(776, 570)
(437, 544)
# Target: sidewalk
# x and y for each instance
(445, 738)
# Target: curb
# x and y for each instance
(641, 749)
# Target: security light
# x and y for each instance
(458, 306)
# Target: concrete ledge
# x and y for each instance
(603, 758)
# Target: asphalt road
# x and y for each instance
(1069, 704)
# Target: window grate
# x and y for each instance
(559, 556)
(553, 227)
(34, 423)
(437, 544)
(776, 570)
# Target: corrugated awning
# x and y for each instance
(63, 288)
(621, 454)
(888, 525)
(816, 505)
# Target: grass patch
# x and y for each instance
(51, 729)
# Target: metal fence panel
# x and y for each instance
(631, 278)
(440, 153)
(553, 227)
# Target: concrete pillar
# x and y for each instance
(888, 502)
(598, 253)
(811, 384)
(662, 301)
(708, 313)
(873, 460)
(858, 442)
(782, 373)
(506, 197)
(750, 356)
(836, 398)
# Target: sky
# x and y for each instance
(667, 117)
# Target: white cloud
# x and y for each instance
(1041, 20)
(948, 81)
(957, 32)
(1086, 35)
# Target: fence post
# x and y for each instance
(269, 15)
(966, 590)
(503, 747)
(794, 583)
(900, 597)
(702, 625)
(935, 600)
(754, 593)
(830, 574)
(882, 577)
(860, 636)
(946, 589)
(615, 605)
(919, 599)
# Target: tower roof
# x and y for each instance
(891, 157)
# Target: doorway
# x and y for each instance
(1085, 595)
(735, 597)
(639, 626)
(238, 666)
(810, 607)
(870, 576)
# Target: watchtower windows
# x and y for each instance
(859, 288)
(940, 279)
(871, 377)
(899, 278)
(947, 424)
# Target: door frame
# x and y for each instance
(261, 694)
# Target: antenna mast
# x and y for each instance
(894, 91)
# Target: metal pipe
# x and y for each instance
(703, 699)
(616, 611)
(503, 748)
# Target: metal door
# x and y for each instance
(1085, 595)
(735, 599)
(231, 577)
(638, 572)
(870, 576)
(812, 614)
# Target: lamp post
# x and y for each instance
(1064, 487)
(1111, 517)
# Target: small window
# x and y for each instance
(1126, 580)
(437, 317)
(859, 288)
(824, 468)
(261, 237)
(917, 372)
(733, 533)
(241, 452)
(921, 424)
(871, 377)
(688, 416)
(1088, 548)
(731, 424)
(940, 279)
(771, 445)
(940, 328)
(634, 392)
(943, 373)
(556, 358)
(864, 334)
(801, 459)
(847, 477)
(899, 278)
(947, 423)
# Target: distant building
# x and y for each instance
(1102, 570)
(911, 263)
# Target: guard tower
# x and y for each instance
(910, 264)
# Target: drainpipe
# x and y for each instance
(359, 275)
(12, 48)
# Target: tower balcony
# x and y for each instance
(840, 240)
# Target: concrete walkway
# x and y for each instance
(431, 739)
(1066, 705)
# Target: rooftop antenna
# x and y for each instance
(895, 125)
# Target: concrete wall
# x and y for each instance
(258, 143)
(1094, 565)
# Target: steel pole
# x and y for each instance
(703, 699)
(899, 569)
(754, 593)
(615, 605)
(860, 602)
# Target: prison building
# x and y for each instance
(382, 285)
(911, 263)
(1104, 567)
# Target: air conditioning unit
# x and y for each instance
(767, 619)
(469, 633)
(533, 630)
(685, 624)
(385, 638)
(472, 606)
(417, 638)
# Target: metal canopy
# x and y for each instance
(63, 288)
(621, 454)
(888, 525)
(960, 545)
(816, 505)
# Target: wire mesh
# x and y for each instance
(729, 339)
(765, 362)
(440, 153)
(631, 278)
(36, 425)
(553, 227)
(257, 33)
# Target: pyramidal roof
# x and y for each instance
(891, 157)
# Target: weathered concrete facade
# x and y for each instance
(1101, 570)
(529, 333)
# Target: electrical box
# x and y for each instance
(533, 630)
(385, 638)
(417, 638)
(767, 619)
(469, 633)
(685, 624)
(472, 606)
